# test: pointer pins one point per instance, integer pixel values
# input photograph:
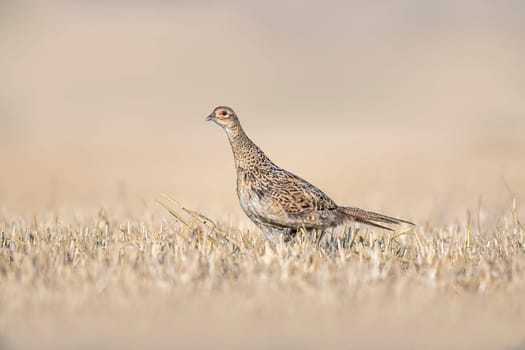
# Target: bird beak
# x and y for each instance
(210, 117)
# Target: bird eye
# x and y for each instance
(224, 113)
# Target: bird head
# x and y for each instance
(224, 116)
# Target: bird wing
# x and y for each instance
(299, 197)
(284, 199)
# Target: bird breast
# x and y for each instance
(254, 198)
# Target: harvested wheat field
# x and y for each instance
(119, 223)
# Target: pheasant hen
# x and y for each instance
(279, 202)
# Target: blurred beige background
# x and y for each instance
(414, 108)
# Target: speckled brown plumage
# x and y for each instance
(277, 201)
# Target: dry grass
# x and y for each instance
(116, 281)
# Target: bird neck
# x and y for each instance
(245, 152)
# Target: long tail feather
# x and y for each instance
(370, 223)
(368, 217)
